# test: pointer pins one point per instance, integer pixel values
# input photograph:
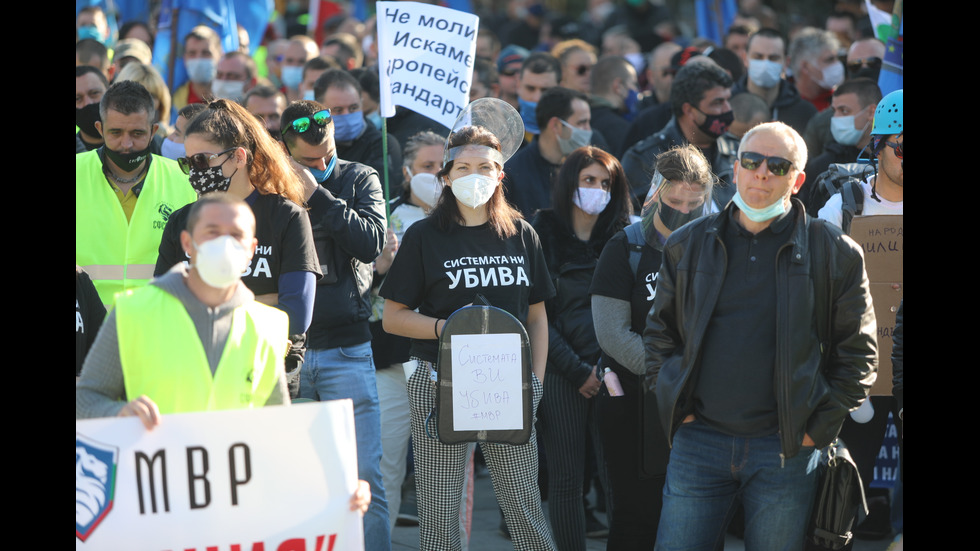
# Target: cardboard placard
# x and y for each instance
(881, 237)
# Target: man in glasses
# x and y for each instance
(760, 340)
(508, 66)
(701, 115)
(347, 212)
(884, 192)
(864, 58)
(124, 194)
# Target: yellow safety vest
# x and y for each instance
(163, 358)
(117, 254)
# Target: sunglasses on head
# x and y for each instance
(302, 124)
(583, 69)
(201, 161)
(777, 165)
(869, 62)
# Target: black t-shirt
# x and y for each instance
(439, 272)
(285, 242)
(614, 278)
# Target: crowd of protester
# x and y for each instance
(630, 122)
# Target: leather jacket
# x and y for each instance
(826, 349)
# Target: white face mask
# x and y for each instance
(228, 89)
(474, 190)
(221, 261)
(591, 200)
(427, 188)
(833, 75)
(200, 70)
(764, 73)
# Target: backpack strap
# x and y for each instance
(635, 242)
(852, 203)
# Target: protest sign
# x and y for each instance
(882, 239)
(426, 55)
(487, 382)
(270, 479)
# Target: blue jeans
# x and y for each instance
(348, 372)
(708, 469)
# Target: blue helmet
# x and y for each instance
(888, 115)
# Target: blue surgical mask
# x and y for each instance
(843, 130)
(348, 127)
(308, 96)
(528, 115)
(630, 103)
(764, 73)
(172, 150)
(90, 31)
(292, 76)
(760, 215)
(322, 175)
(375, 119)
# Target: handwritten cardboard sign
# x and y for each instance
(882, 239)
(487, 382)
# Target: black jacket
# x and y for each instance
(347, 212)
(789, 106)
(640, 161)
(826, 351)
(573, 349)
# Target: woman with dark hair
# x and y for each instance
(228, 150)
(472, 224)
(591, 203)
(622, 293)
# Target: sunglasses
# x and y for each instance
(583, 69)
(302, 124)
(898, 147)
(509, 72)
(777, 165)
(869, 62)
(201, 161)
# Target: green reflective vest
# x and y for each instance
(117, 254)
(163, 358)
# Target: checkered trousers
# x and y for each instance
(439, 471)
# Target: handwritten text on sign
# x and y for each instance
(487, 382)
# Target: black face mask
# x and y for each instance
(716, 125)
(673, 218)
(85, 119)
(867, 72)
(128, 162)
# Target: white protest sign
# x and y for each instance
(271, 479)
(487, 382)
(426, 55)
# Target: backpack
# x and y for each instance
(843, 178)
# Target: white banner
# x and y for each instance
(426, 57)
(269, 479)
